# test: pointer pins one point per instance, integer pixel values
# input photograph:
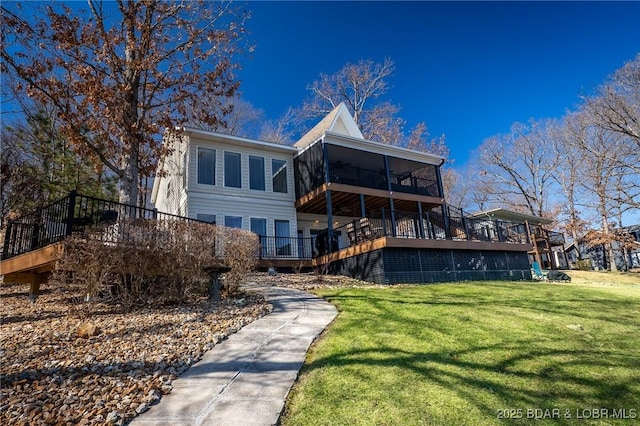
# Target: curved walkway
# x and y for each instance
(245, 379)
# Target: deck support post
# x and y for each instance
(34, 287)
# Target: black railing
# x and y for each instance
(358, 176)
(432, 225)
(410, 184)
(286, 247)
(76, 214)
(555, 238)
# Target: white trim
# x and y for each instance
(251, 143)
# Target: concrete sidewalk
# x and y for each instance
(245, 379)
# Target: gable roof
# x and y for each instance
(338, 121)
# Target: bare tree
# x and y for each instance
(362, 87)
(281, 130)
(356, 85)
(121, 71)
(241, 118)
(598, 150)
(566, 139)
(520, 167)
(617, 104)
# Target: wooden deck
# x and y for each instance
(31, 268)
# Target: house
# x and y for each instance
(548, 246)
(626, 255)
(337, 201)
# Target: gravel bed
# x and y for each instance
(50, 375)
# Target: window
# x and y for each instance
(256, 173)
(259, 226)
(233, 221)
(279, 175)
(232, 170)
(211, 218)
(206, 166)
(283, 242)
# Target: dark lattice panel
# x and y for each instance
(436, 260)
(366, 267)
(394, 266)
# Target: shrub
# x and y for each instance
(241, 253)
(137, 261)
(584, 265)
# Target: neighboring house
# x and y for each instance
(338, 202)
(625, 258)
(548, 246)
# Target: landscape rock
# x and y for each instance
(87, 329)
(96, 364)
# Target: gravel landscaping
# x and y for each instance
(51, 375)
(125, 362)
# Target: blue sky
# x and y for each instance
(468, 69)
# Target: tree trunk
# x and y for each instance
(128, 184)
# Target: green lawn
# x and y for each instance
(465, 354)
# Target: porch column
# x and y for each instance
(393, 210)
(387, 172)
(325, 154)
(363, 211)
(329, 222)
(447, 223)
(439, 178)
(393, 218)
(420, 221)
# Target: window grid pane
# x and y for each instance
(279, 175)
(206, 166)
(232, 170)
(256, 173)
(233, 221)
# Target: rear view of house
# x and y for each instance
(360, 208)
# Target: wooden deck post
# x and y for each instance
(34, 288)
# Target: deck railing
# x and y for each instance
(286, 248)
(75, 214)
(431, 225)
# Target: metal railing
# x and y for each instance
(286, 247)
(431, 225)
(77, 214)
(357, 176)
(414, 185)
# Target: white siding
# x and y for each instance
(172, 195)
(222, 201)
(219, 189)
(225, 205)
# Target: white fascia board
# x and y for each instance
(512, 216)
(237, 140)
(382, 149)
